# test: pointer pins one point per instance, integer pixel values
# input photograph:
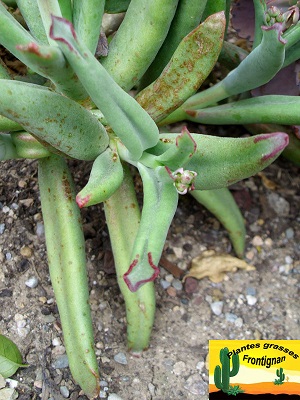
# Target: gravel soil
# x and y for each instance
(257, 304)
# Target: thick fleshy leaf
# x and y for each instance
(116, 6)
(105, 178)
(47, 61)
(264, 109)
(221, 203)
(53, 119)
(27, 146)
(258, 68)
(160, 203)
(222, 161)
(87, 18)
(177, 156)
(8, 150)
(187, 17)
(190, 65)
(67, 267)
(138, 39)
(126, 117)
(10, 357)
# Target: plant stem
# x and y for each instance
(123, 218)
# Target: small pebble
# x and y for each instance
(12, 383)
(169, 278)
(251, 300)
(40, 230)
(26, 251)
(251, 290)
(288, 260)
(171, 291)
(2, 382)
(64, 391)
(114, 396)
(32, 282)
(61, 362)
(239, 322)
(2, 228)
(151, 389)
(230, 317)
(102, 394)
(191, 285)
(103, 384)
(279, 204)
(177, 284)
(195, 385)
(120, 358)
(56, 341)
(38, 384)
(164, 284)
(257, 241)
(217, 307)
(289, 233)
(200, 365)
(269, 242)
(179, 368)
(6, 209)
(8, 256)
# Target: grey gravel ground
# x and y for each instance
(258, 304)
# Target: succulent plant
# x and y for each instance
(112, 109)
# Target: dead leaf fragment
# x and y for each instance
(215, 266)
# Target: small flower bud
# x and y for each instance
(184, 180)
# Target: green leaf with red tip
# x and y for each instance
(222, 161)
(160, 203)
(273, 109)
(129, 121)
(105, 178)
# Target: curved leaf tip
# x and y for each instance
(279, 142)
(278, 26)
(62, 28)
(136, 276)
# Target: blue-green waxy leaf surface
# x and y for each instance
(128, 120)
(10, 357)
(54, 119)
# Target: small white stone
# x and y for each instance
(257, 241)
(56, 341)
(169, 278)
(12, 383)
(288, 260)
(179, 368)
(178, 251)
(251, 300)
(32, 282)
(64, 391)
(114, 396)
(217, 307)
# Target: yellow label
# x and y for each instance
(254, 367)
